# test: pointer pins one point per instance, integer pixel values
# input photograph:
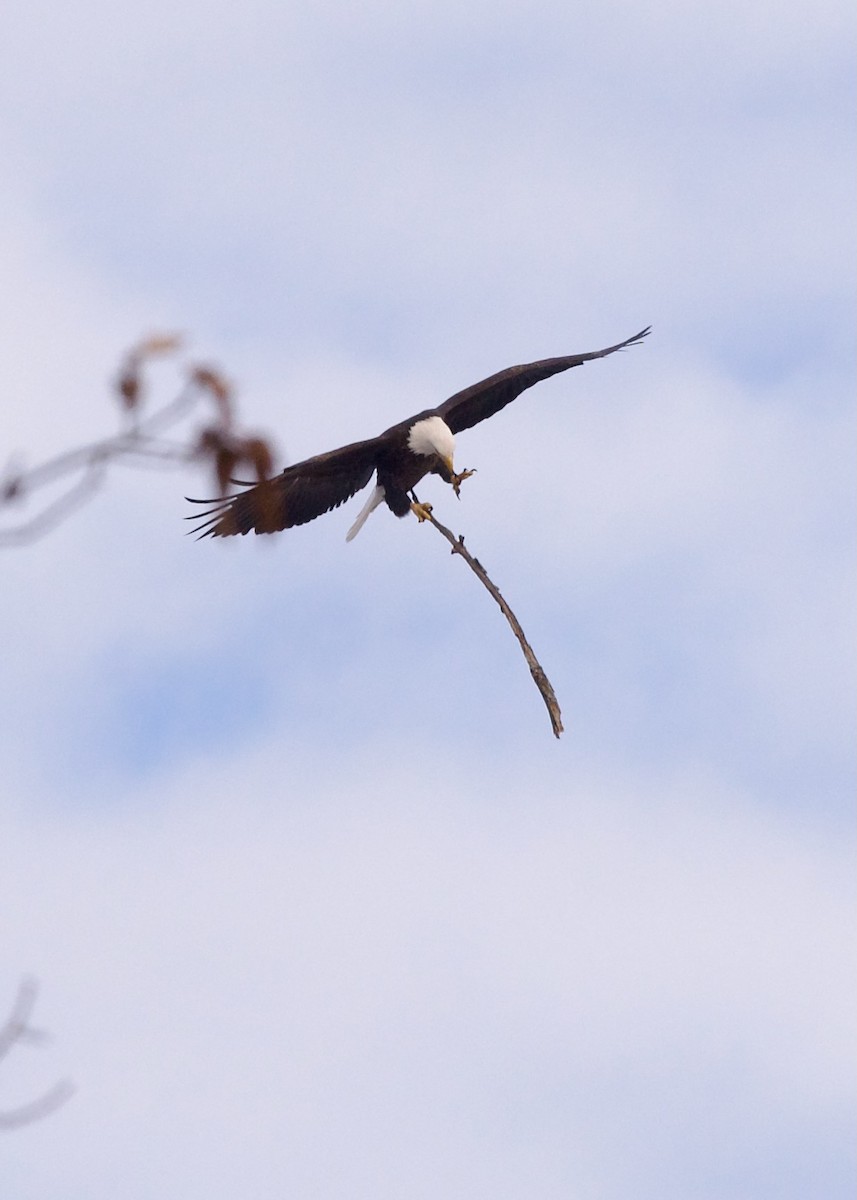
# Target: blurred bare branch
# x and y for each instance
(17, 1031)
(43, 1107)
(140, 444)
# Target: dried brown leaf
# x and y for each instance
(257, 451)
(210, 441)
(218, 388)
(224, 464)
(159, 343)
(128, 385)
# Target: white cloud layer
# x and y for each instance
(286, 987)
(317, 905)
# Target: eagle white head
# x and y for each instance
(432, 436)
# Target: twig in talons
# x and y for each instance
(457, 480)
(536, 670)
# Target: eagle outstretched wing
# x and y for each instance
(317, 485)
(482, 400)
(300, 494)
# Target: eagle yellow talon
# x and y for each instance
(457, 480)
(420, 511)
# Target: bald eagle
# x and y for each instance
(399, 459)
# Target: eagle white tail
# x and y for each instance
(369, 507)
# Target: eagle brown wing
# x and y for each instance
(481, 400)
(300, 494)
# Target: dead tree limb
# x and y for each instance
(140, 443)
(15, 1031)
(536, 670)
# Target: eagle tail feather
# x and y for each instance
(371, 504)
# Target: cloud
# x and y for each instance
(429, 985)
(316, 902)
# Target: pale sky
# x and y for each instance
(317, 905)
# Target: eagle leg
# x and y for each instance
(457, 480)
(420, 511)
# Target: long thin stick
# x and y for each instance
(536, 670)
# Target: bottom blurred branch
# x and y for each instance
(17, 1031)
